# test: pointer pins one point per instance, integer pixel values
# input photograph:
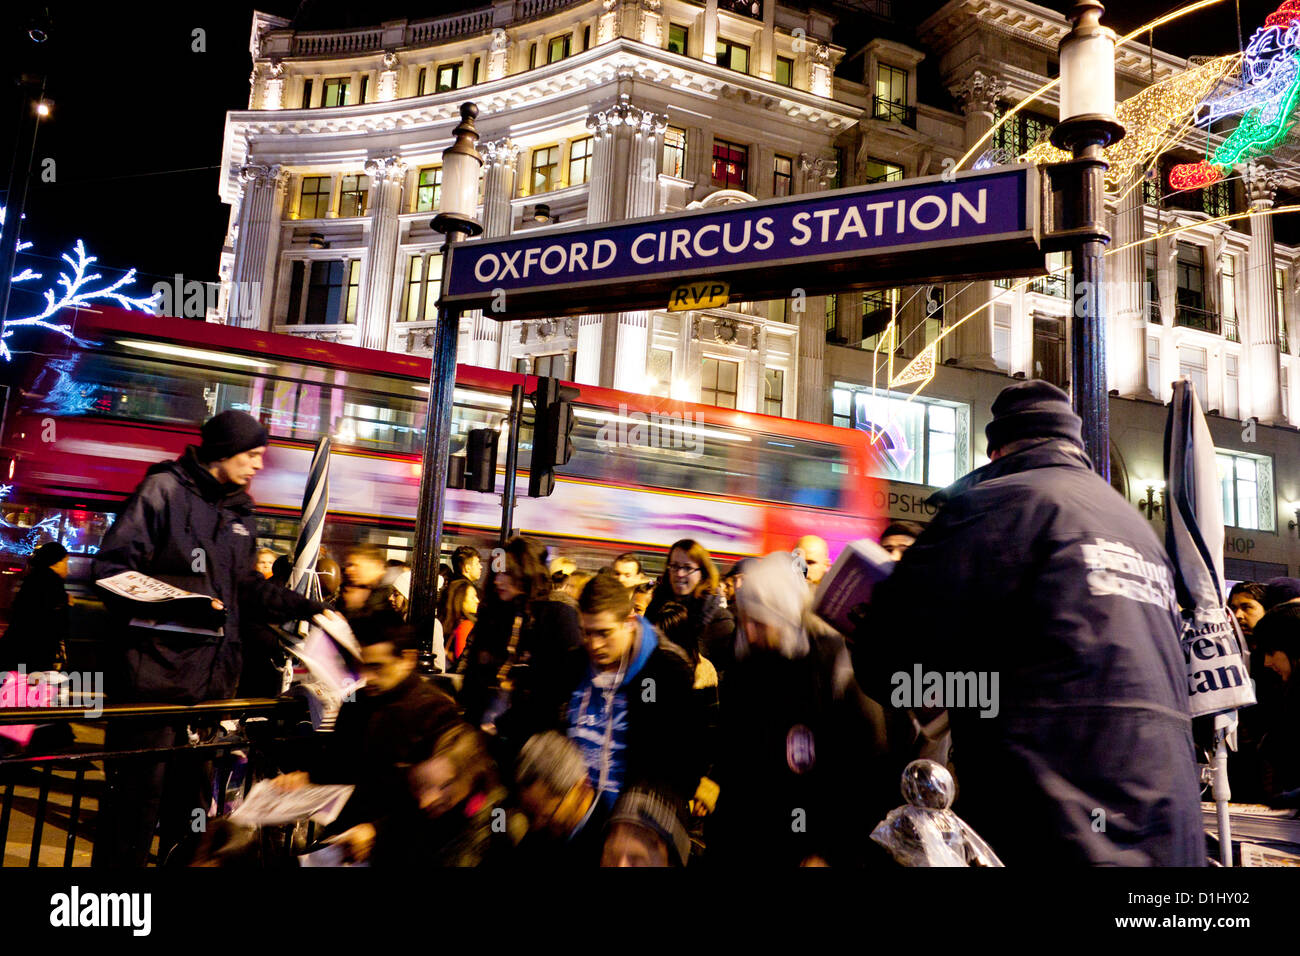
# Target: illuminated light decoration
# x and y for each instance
(1151, 119)
(1260, 130)
(1051, 84)
(77, 291)
(47, 527)
(1289, 12)
(5, 491)
(1194, 175)
(68, 396)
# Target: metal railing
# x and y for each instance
(888, 110)
(1190, 317)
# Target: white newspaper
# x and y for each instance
(267, 805)
(141, 587)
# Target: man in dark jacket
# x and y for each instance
(1038, 574)
(36, 638)
(629, 704)
(189, 523)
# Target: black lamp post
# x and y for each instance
(1087, 126)
(457, 204)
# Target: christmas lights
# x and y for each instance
(1194, 175)
(77, 291)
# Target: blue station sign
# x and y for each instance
(977, 225)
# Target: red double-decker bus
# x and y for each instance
(86, 417)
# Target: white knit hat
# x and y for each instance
(775, 594)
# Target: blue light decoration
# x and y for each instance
(77, 290)
(68, 395)
(5, 491)
(47, 528)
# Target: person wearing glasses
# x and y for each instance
(691, 580)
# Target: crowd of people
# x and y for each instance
(706, 716)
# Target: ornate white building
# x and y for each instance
(600, 110)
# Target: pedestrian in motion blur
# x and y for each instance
(691, 580)
(38, 622)
(1039, 574)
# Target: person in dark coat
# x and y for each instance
(1037, 573)
(37, 636)
(566, 822)
(189, 523)
(799, 739)
(691, 580)
(1277, 656)
(514, 659)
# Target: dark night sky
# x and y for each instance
(136, 132)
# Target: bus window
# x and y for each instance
(800, 472)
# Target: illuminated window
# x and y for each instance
(335, 93)
(674, 151)
(365, 88)
(782, 174)
(423, 286)
(659, 372)
(734, 56)
(353, 191)
(314, 200)
(580, 161)
(784, 71)
(730, 165)
(546, 169)
(718, 383)
(448, 78)
(890, 101)
(557, 48)
(1192, 363)
(428, 189)
(1192, 311)
(1228, 297)
(1231, 387)
(1246, 483)
(880, 171)
(773, 391)
(1019, 134)
(421, 80)
(678, 37)
(923, 440)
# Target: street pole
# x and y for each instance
(512, 459)
(31, 94)
(1088, 124)
(461, 164)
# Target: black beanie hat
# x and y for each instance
(1278, 590)
(1033, 409)
(230, 433)
(47, 555)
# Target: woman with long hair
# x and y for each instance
(691, 580)
(514, 657)
(460, 611)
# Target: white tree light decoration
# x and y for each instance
(76, 291)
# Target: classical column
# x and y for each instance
(387, 89)
(647, 131)
(710, 52)
(386, 176)
(1260, 332)
(261, 199)
(1127, 358)
(972, 342)
(600, 190)
(586, 363)
(499, 165)
(810, 397)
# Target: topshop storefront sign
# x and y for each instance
(977, 225)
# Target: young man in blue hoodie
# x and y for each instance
(629, 712)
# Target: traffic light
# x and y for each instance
(552, 428)
(481, 460)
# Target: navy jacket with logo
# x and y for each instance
(1038, 570)
(183, 527)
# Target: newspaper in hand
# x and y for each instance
(268, 805)
(140, 587)
(845, 591)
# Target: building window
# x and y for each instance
(879, 171)
(552, 366)
(1054, 283)
(1228, 297)
(745, 8)
(580, 161)
(423, 286)
(365, 87)
(546, 169)
(890, 101)
(521, 366)
(1152, 291)
(718, 383)
(532, 57)
(557, 48)
(586, 38)
(877, 310)
(1154, 374)
(659, 372)
(1049, 349)
(1246, 482)
(335, 93)
(421, 79)
(678, 38)
(1231, 387)
(473, 76)
(428, 189)
(1021, 133)
(674, 152)
(1192, 364)
(314, 200)
(1216, 199)
(782, 174)
(784, 71)
(331, 291)
(1192, 312)
(1279, 295)
(773, 391)
(734, 56)
(353, 192)
(306, 94)
(919, 437)
(1002, 336)
(730, 165)
(448, 78)
(832, 318)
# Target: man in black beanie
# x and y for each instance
(189, 523)
(1044, 585)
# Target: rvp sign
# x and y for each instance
(979, 225)
(699, 295)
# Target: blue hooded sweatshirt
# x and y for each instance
(598, 718)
